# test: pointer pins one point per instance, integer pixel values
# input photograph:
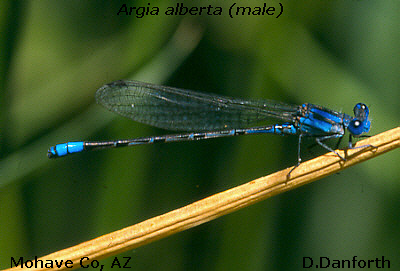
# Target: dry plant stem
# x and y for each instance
(222, 203)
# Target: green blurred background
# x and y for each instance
(55, 54)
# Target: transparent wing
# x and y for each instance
(186, 110)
